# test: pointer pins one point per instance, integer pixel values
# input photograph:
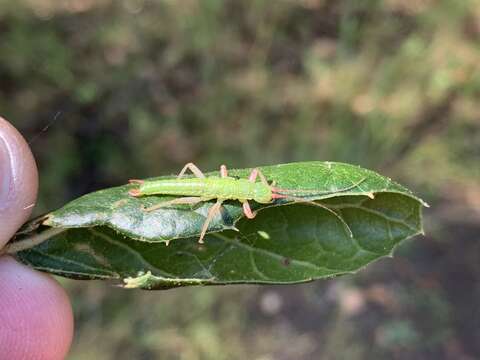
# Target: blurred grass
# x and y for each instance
(142, 87)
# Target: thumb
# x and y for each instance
(18, 181)
(35, 313)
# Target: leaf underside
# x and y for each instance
(107, 234)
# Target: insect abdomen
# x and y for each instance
(187, 187)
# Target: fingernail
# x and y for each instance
(6, 177)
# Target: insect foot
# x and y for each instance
(135, 192)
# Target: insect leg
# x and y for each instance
(263, 178)
(248, 211)
(211, 213)
(190, 200)
(193, 168)
(223, 171)
(253, 176)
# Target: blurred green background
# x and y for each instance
(108, 90)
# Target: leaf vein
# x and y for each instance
(139, 257)
(73, 262)
(274, 255)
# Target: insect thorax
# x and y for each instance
(237, 189)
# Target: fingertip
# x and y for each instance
(36, 320)
(18, 180)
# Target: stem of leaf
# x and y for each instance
(31, 241)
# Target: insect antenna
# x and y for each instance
(45, 128)
(311, 202)
(289, 194)
(314, 192)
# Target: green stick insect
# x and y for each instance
(202, 188)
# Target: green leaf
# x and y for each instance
(108, 235)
